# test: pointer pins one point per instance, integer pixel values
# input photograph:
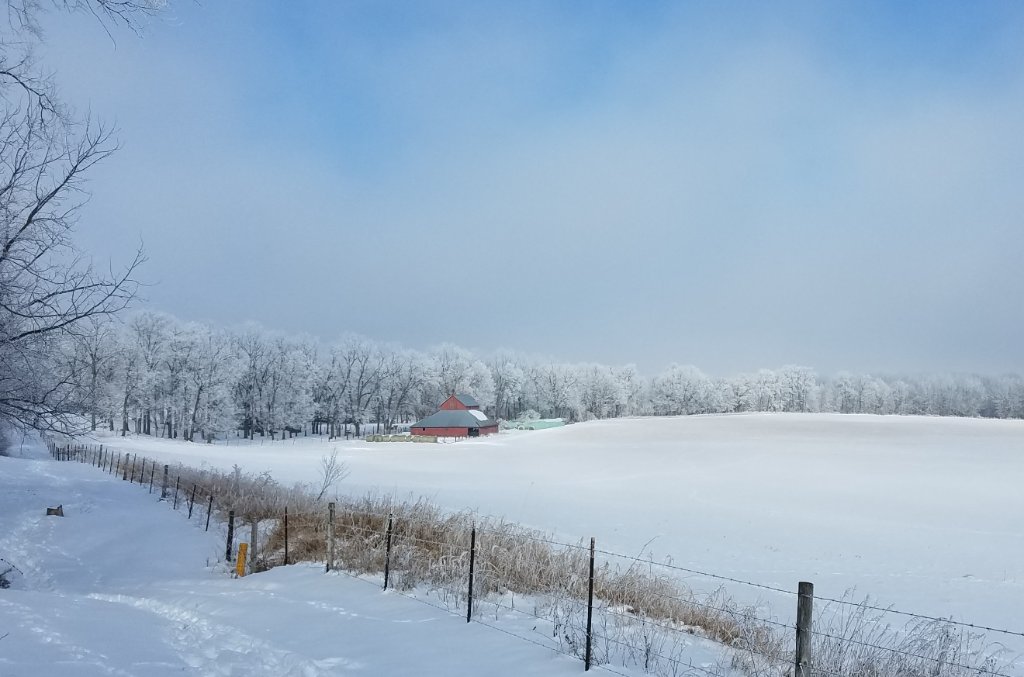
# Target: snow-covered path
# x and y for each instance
(125, 586)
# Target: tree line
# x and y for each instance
(157, 375)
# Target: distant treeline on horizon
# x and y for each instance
(158, 375)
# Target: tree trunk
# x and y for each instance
(195, 416)
(124, 415)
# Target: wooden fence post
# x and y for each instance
(125, 477)
(804, 618)
(209, 509)
(286, 536)
(163, 487)
(387, 551)
(192, 501)
(117, 468)
(231, 534)
(590, 610)
(330, 535)
(254, 532)
(472, 561)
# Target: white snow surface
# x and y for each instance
(920, 513)
(121, 586)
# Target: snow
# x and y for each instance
(478, 415)
(123, 585)
(921, 513)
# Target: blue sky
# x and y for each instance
(729, 185)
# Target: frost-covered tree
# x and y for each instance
(683, 390)
(508, 378)
(49, 291)
(403, 374)
(601, 393)
(208, 377)
(557, 390)
(457, 370)
(150, 332)
(95, 351)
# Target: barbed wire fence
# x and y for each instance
(610, 610)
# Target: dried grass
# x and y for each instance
(643, 616)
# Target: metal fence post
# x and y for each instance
(387, 552)
(209, 509)
(472, 561)
(177, 481)
(231, 534)
(590, 610)
(804, 618)
(286, 535)
(330, 535)
(134, 458)
(124, 478)
(192, 501)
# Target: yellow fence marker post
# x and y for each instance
(240, 566)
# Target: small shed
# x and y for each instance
(458, 416)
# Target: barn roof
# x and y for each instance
(468, 400)
(454, 418)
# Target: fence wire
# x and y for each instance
(351, 524)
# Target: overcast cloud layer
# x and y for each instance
(839, 185)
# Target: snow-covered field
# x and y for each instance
(920, 513)
(122, 586)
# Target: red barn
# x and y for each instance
(459, 416)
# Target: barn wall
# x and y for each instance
(453, 432)
(452, 403)
(442, 432)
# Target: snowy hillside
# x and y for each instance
(921, 513)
